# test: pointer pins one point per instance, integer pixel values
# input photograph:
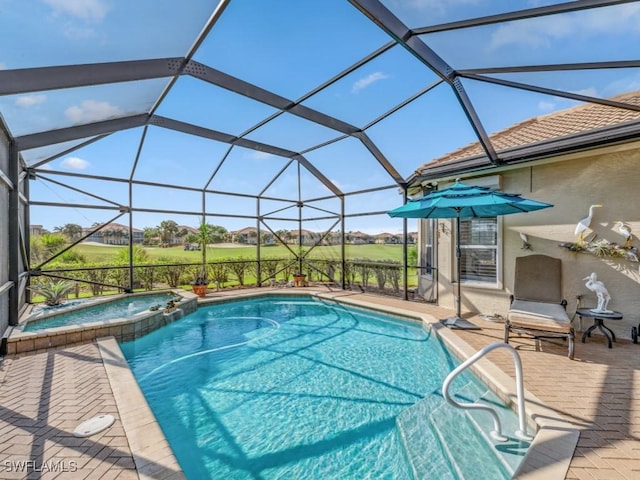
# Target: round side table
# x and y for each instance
(598, 322)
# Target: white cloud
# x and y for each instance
(543, 31)
(27, 101)
(92, 111)
(258, 155)
(368, 80)
(2, 66)
(433, 6)
(343, 187)
(546, 106)
(89, 10)
(74, 163)
(78, 33)
(589, 92)
(623, 84)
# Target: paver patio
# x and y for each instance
(45, 395)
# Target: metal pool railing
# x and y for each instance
(497, 434)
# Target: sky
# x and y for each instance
(290, 49)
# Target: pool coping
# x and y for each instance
(548, 457)
(153, 457)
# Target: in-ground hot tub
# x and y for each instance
(126, 317)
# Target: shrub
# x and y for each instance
(54, 293)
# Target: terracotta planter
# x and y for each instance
(299, 280)
(200, 290)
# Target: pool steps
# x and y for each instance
(424, 425)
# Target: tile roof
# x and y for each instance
(114, 226)
(563, 123)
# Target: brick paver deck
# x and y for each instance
(45, 395)
(43, 398)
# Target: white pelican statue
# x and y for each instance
(625, 231)
(597, 287)
(583, 224)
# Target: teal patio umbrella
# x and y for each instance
(465, 201)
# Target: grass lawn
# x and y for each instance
(106, 253)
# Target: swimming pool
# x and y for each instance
(104, 310)
(290, 387)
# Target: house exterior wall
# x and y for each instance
(609, 177)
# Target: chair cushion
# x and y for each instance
(538, 278)
(550, 317)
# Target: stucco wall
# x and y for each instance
(610, 178)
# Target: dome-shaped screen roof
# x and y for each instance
(296, 104)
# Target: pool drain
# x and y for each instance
(94, 425)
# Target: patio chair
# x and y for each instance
(537, 307)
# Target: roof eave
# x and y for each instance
(529, 153)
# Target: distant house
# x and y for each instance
(183, 231)
(37, 230)
(113, 234)
(249, 236)
(596, 153)
(305, 237)
(388, 239)
(359, 238)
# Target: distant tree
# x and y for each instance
(288, 236)
(72, 231)
(281, 234)
(217, 234)
(46, 245)
(166, 230)
(149, 234)
(192, 238)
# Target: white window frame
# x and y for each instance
(498, 247)
(428, 226)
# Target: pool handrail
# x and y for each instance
(496, 433)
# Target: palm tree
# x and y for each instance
(167, 229)
(72, 231)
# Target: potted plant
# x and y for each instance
(200, 285)
(299, 279)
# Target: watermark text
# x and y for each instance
(27, 466)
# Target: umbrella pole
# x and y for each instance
(458, 266)
(457, 321)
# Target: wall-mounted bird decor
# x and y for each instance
(583, 225)
(625, 231)
(525, 241)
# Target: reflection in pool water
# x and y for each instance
(290, 388)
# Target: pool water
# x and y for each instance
(122, 307)
(299, 388)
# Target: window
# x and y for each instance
(479, 250)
